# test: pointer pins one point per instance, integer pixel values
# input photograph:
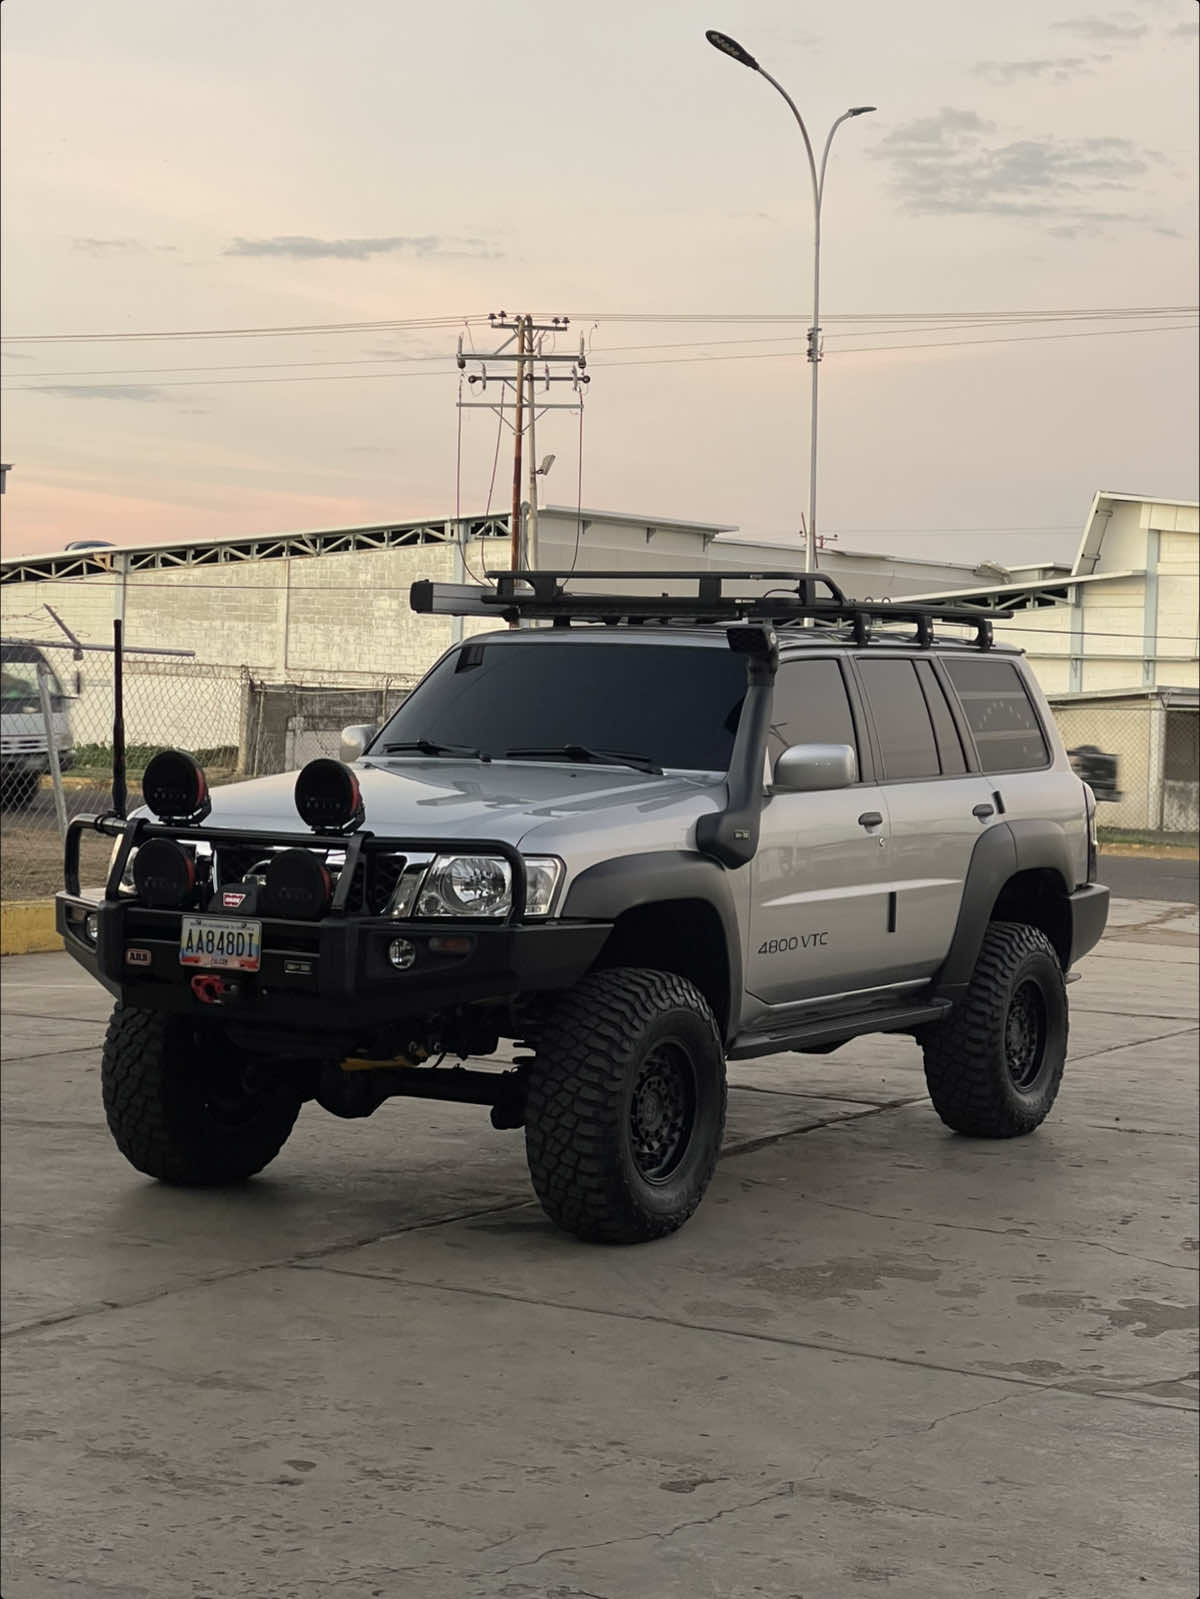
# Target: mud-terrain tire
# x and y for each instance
(626, 1106)
(178, 1106)
(994, 1066)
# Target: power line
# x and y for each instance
(391, 324)
(765, 355)
(399, 356)
(943, 344)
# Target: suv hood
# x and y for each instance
(543, 806)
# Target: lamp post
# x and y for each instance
(730, 47)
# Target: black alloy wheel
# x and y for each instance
(1025, 1034)
(662, 1111)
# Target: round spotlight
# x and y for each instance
(328, 797)
(91, 927)
(164, 874)
(175, 788)
(297, 885)
(402, 952)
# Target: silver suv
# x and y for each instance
(660, 833)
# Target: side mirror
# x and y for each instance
(355, 740)
(806, 767)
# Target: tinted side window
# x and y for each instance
(902, 722)
(810, 707)
(1000, 714)
(949, 744)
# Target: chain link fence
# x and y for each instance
(57, 740)
(1140, 754)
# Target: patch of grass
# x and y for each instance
(98, 757)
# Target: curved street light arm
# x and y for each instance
(795, 110)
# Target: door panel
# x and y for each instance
(933, 833)
(819, 915)
(931, 800)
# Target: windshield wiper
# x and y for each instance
(581, 752)
(429, 746)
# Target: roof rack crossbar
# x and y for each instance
(543, 596)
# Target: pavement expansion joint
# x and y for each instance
(1001, 1232)
(210, 1279)
(845, 1351)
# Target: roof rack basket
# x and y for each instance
(543, 596)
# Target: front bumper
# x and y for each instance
(331, 975)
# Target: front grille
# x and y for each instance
(386, 872)
(374, 883)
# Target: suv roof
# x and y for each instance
(751, 620)
(715, 635)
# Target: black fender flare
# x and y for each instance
(602, 892)
(1005, 849)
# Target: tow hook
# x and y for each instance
(212, 990)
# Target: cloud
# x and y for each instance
(140, 392)
(956, 163)
(303, 247)
(119, 246)
(1122, 27)
(1059, 69)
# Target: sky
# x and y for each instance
(172, 168)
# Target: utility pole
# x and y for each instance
(522, 347)
(518, 440)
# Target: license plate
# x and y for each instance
(215, 941)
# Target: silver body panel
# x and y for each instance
(815, 908)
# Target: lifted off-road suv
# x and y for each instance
(653, 835)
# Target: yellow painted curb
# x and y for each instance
(27, 927)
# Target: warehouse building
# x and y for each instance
(319, 611)
(1114, 639)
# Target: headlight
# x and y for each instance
(481, 885)
(466, 885)
(127, 882)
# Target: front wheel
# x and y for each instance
(182, 1105)
(993, 1068)
(626, 1106)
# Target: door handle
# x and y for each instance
(870, 819)
(983, 812)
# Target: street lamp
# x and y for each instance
(730, 47)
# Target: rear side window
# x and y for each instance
(1000, 714)
(902, 721)
(948, 742)
(810, 707)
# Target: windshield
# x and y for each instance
(19, 686)
(676, 706)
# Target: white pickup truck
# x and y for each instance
(24, 749)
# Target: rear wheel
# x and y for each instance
(993, 1068)
(626, 1106)
(183, 1106)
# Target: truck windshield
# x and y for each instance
(674, 706)
(19, 686)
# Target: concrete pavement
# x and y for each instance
(880, 1359)
(1145, 877)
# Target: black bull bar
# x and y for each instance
(328, 974)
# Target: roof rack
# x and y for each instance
(543, 596)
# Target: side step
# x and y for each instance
(826, 1031)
